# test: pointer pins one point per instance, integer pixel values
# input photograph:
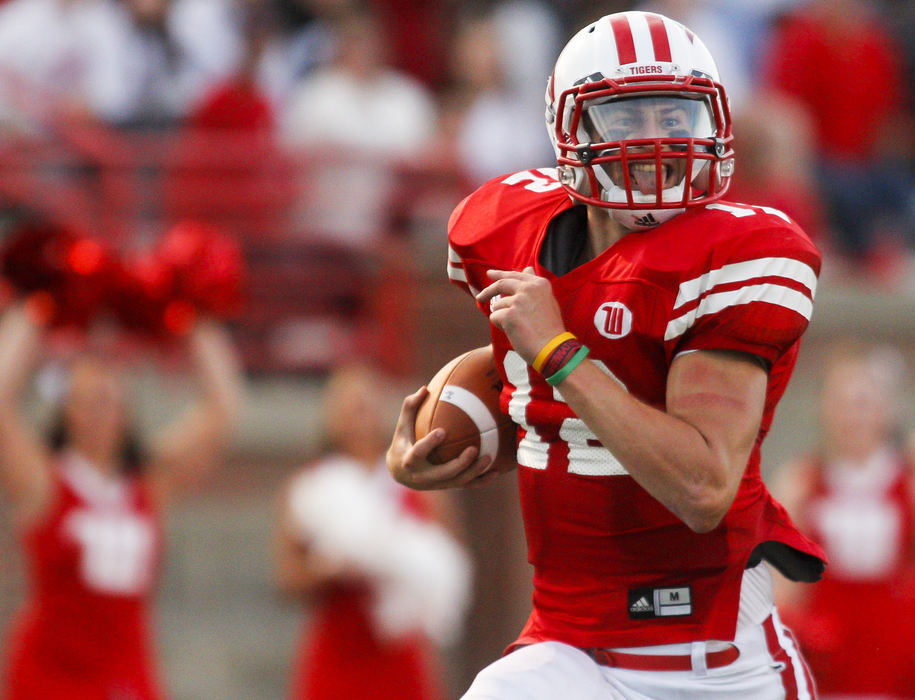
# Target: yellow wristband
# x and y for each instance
(545, 351)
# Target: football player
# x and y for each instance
(645, 330)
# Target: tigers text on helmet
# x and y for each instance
(639, 120)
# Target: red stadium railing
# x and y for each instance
(325, 235)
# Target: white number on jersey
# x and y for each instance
(742, 210)
(535, 183)
(586, 456)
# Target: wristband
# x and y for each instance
(566, 369)
(547, 349)
(562, 354)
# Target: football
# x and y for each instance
(464, 400)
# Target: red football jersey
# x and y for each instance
(83, 633)
(612, 566)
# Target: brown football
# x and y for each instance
(464, 400)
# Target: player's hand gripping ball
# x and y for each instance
(464, 400)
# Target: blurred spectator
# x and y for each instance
(855, 493)
(176, 50)
(735, 32)
(301, 41)
(88, 504)
(500, 62)
(776, 162)
(385, 582)
(62, 57)
(839, 59)
(352, 122)
(417, 34)
(228, 170)
(122, 62)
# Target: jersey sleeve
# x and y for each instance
(497, 226)
(755, 295)
(457, 273)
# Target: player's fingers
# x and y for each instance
(465, 469)
(408, 409)
(421, 448)
(451, 474)
(510, 274)
(493, 290)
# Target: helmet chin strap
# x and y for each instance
(635, 219)
(641, 219)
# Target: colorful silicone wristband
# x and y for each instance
(567, 368)
(547, 349)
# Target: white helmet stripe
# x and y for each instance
(644, 47)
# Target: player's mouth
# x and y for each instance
(645, 175)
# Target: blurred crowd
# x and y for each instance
(352, 126)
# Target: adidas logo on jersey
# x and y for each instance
(676, 601)
(641, 605)
(647, 220)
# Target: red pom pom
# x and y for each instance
(68, 271)
(207, 267)
(139, 296)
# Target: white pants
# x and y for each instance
(769, 667)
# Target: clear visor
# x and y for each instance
(631, 118)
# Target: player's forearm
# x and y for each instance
(666, 455)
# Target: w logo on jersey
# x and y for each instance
(613, 320)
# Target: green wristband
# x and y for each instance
(567, 368)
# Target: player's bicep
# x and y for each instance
(722, 394)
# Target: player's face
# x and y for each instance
(637, 118)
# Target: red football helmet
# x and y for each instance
(639, 120)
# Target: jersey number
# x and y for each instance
(742, 210)
(534, 182)
(587, 456)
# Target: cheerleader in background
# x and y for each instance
(385, 581)
(88, 503)
(855, 494)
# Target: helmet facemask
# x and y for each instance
(645, 150)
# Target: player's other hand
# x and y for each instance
(522, 305)
(406, 457)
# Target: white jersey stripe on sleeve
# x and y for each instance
(745, 271)
(455, 267)
(456, 272)
(770, 293)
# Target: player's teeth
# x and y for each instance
(648, 168)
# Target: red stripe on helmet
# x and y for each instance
(659, 41)
(625, 43)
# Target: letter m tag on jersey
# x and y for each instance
(660, 602)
